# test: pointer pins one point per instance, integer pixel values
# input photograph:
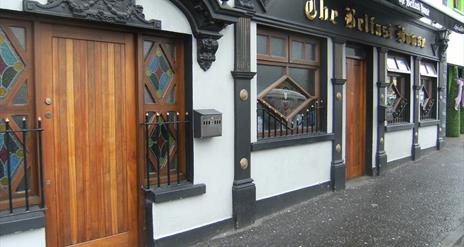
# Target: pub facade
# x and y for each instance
(163, 122)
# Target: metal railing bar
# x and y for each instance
(177, 148)
(26, 185)
(40, 160)
(8, 167)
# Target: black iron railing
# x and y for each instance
(163, 147)
(30, 145)
(428, 110)
(398, 113)
(272, 124)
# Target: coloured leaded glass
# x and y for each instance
(10, 65)
(160, 140)
(159, 73)
(12, 147)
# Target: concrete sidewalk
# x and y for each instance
(418, 203)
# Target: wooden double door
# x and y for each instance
(87, 98)
(355, 117)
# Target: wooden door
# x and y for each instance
(87, 98)
(355, 117)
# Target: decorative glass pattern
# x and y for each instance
(159, 73)
(286, 97)
(10, 65)
(160, 139)
(15, 152)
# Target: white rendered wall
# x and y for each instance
(428, 137)
(455, 52)
(281, 170)
(30, 238)
(398, 144)
(213, 158)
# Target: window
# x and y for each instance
(164, 106)
(19, 175)
(428, 91)
(398, 91)
(289, 88)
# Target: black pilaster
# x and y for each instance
(442, 42)
(243, 188)
(416, 149)
(381, 156)
(338, 168)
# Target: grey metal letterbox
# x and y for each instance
(207, 123)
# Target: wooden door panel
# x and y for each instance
(92, 129)
(355, 117)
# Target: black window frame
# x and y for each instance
(399, 83)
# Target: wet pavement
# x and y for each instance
(419, 203)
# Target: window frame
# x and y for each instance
(286, 63)
(432, 90)
(405, 76)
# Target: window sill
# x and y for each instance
(19, 222)
(398, 127)
(429, 122)
(288, 141)
(175, 192)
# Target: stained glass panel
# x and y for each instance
(15, 153)
(147, 97)
(21, 96)
(172, 95)
(20, 35)
(159, 73)
(160, 139)
(10, 65)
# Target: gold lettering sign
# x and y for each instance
(362, 23)
(311, 11)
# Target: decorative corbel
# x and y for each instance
(206, 51)
(207, 19)
(441, 43)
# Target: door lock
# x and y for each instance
(48, 101)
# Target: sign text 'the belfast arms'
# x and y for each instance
(364, 23)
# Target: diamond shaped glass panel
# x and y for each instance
(10, 65)
(159, 72)
(286, 97)
(160, 140)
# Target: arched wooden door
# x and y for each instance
(86, 95)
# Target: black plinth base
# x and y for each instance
(243, 203)
(338, 175)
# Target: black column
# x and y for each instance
(416, 148)
(381, 156)
(243, 189)
(338, 168)
(442, 44)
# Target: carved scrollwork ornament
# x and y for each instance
(244, 4)
(111, 11)
(207, 48)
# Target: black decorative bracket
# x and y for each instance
(441, 43)
(124, 12)
(207, 19)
